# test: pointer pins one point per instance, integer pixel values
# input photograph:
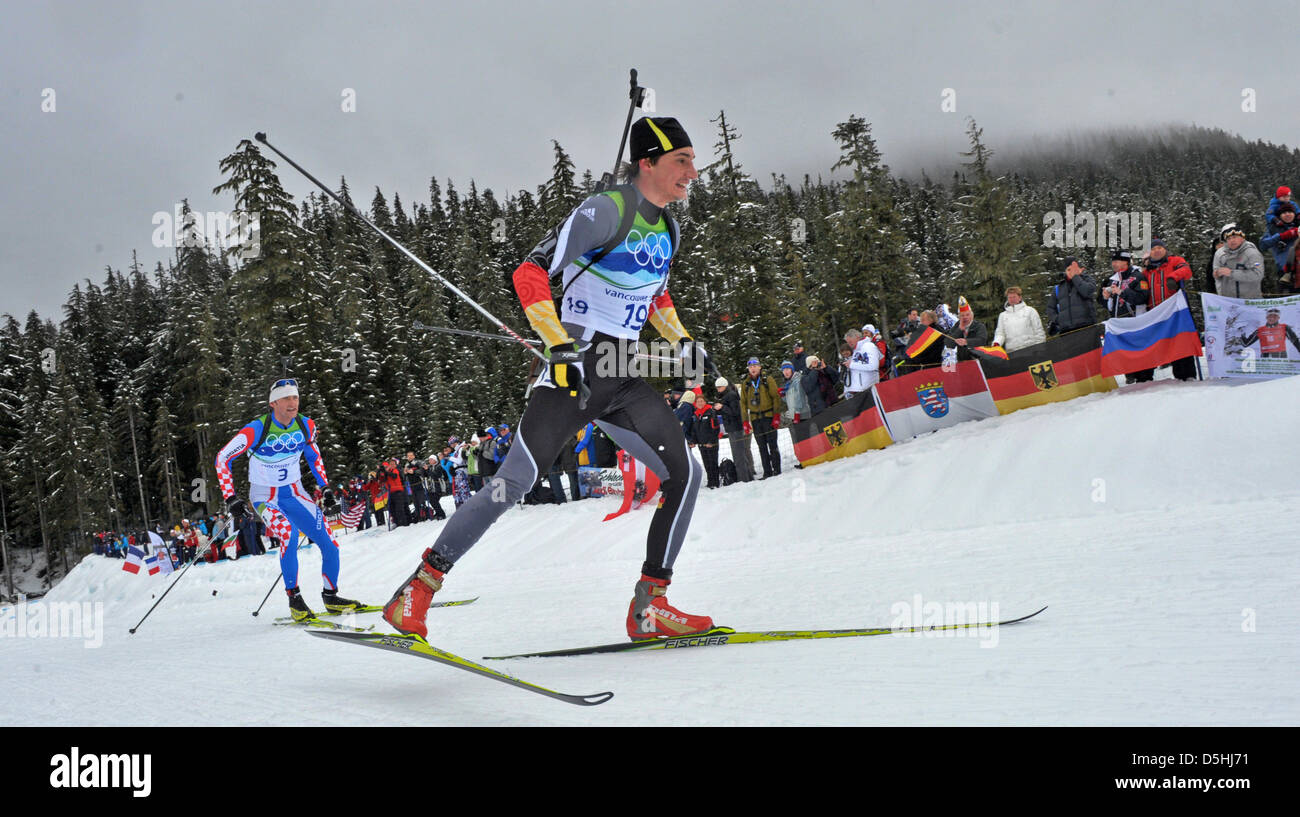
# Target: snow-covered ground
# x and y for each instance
(1156, 522)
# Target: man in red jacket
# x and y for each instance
(398, 506)
(1166, 274)
(378, 490)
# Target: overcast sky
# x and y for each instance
(148, 97)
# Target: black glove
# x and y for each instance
(563, 363)
(238, 509)
(328, 503)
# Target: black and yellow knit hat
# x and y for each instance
(655, 136)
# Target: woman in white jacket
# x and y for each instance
(1018, 325)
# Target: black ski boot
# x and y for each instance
(337, 604)
(297, 607)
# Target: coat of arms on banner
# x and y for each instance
(1044, 375)
(835, 434)
(933, 399)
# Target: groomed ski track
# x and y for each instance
(1157, 521)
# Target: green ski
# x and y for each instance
(721, 636)
(414, 645)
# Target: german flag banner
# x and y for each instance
(1065, 367)
(849, 427)
(933, 398)
(923, 341)
(996, 351)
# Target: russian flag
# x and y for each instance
(1161, 335)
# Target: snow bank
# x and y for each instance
(1154, 520)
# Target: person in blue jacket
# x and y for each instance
(1281, 241)
(504, 438)
(1283, 196)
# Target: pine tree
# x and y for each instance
(31, 453)
(729, 173)
(71, 441)
(194, 341)
(997, 249)
(872, 258)
(356, 400)
(12, 386)
(264, 290)
(559, 195)
(162, 463)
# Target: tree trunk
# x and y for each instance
(45, 540)
(139, 477)
(4, 541)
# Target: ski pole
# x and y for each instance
(420, 327)
(261, 137)
(277, 578)
(197, 556)
(268, 593)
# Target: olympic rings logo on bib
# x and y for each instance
(285, 442)
(651, 248)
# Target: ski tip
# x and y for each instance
(1026, 618)
(457, 603)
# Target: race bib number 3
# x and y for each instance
(279, 473)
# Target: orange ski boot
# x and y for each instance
(651, 616)
(407, 608)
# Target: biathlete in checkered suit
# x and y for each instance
(276, 443)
